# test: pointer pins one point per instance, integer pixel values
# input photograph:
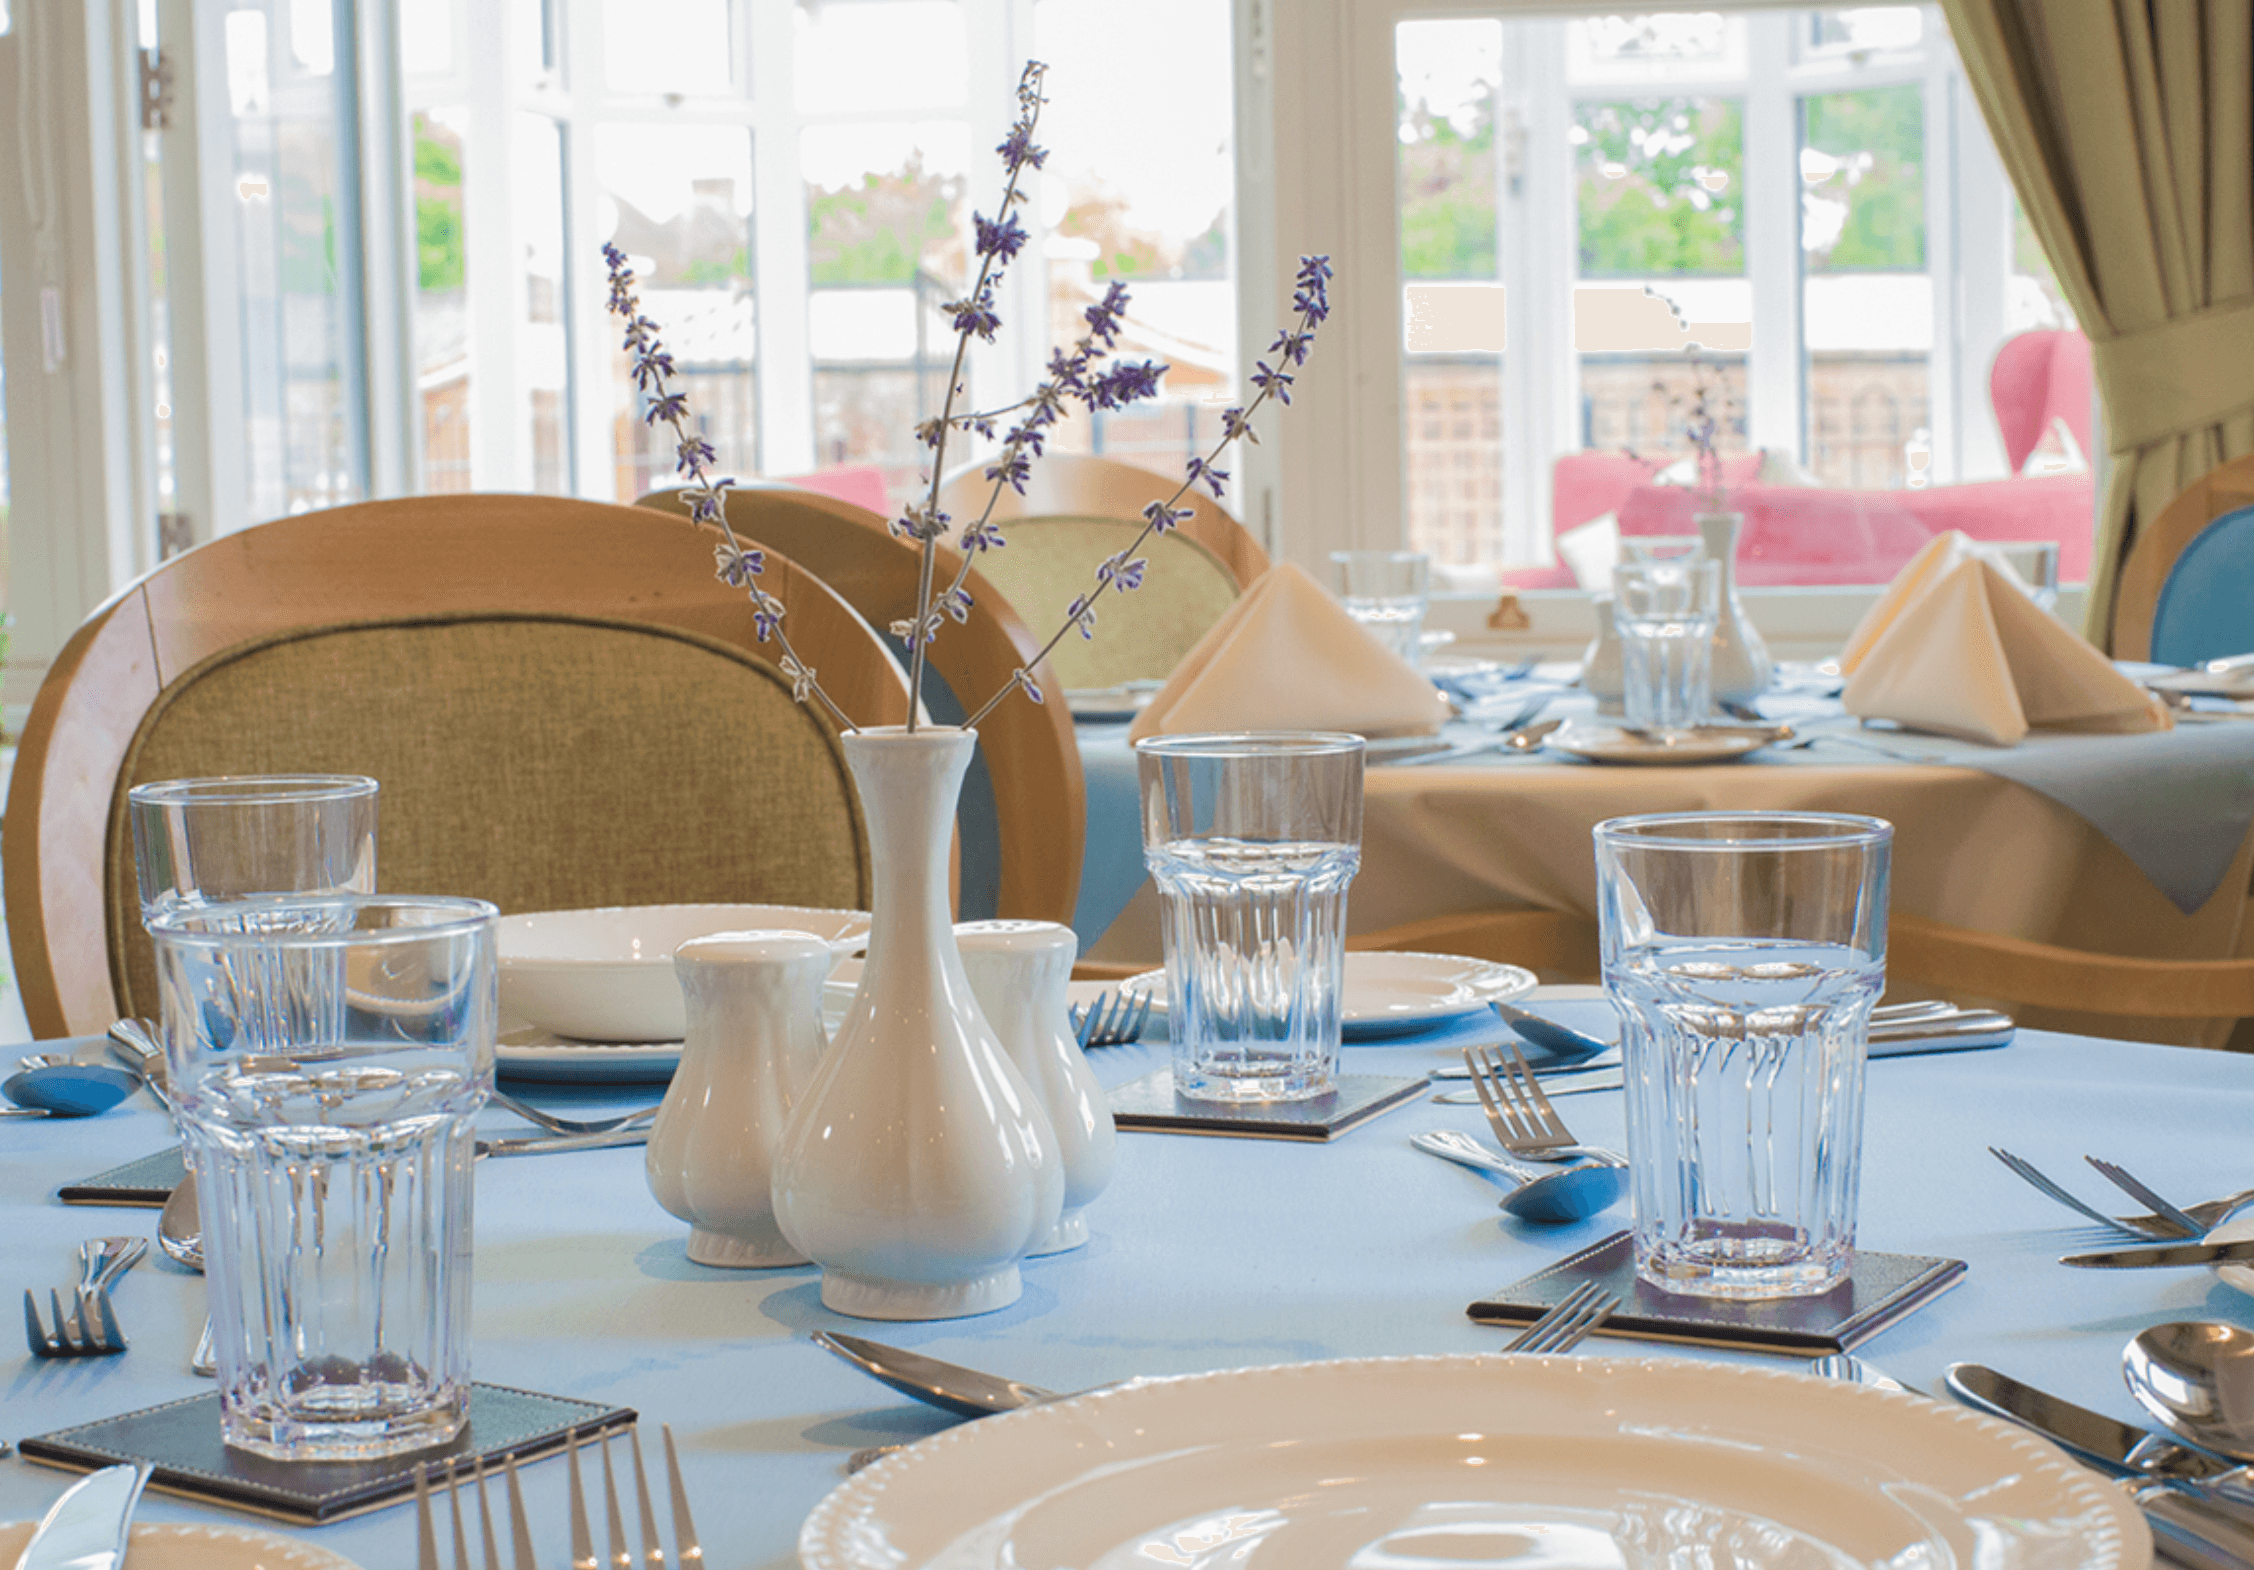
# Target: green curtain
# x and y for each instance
(2125, 125)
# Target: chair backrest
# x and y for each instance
(1023, 813)
(2206, 606)
(2039, 377)
(1084, 485)
(563, 705)
(2152, 558)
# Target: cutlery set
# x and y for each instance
(687, 1548)
(2175, 1235)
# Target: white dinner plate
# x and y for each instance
(1707, 744)
(201, 1547)
(1439, 1462)
(1388, 993)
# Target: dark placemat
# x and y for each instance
(181, 1440)
(148, 1181)
(1880, 1289)
(1150, 1103)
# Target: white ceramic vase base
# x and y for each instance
(1070, 1233)
(742, 1253)
(865, 1297)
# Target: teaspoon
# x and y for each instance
(2197, 1378)
(1572, 1193)
(180, 1226)
(68, 1089)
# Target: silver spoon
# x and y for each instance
(967, 1392)
(180, 1226)
(2197, 1378)
(1572, 1193)
(1562, 1042)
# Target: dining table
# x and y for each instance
(1207, 1253)
(2127, 844)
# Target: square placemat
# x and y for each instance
(181, 1440)
(148, 1181)
(1150, 1103)
(1879, 1289)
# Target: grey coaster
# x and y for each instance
(148, 1181)
(1879, 1289)
(1150, 1103)
(181, 1439)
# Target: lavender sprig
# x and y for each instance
(1123, 571)
(735, 564)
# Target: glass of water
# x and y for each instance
(328, 1056)
(1744, 953)
(1252, 840)
(2033, 562)
(236, 837)
(1387, 591)
(1665, 612)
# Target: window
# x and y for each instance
(1786, 219)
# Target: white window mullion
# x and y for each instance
(781, 271)
(1776, 364)
(593, 332)
(500, 436)
(1984, 234)
(388, 251)
(1539, 254)
(1945, 404)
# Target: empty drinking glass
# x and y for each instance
(1252, 840)
(1744, 952)
(327, 1058)
(2033, 562)
(242, 836)
(1665, 612)
(1387, 591)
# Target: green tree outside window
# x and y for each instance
(1661, 186)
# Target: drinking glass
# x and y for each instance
(1387, 591)
(1665, 612)
(1744, 952)
(1660, 547)
(239, 837)
(2033, 562)
(327, 1059)
(1252, 840)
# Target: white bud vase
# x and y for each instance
(755, 1037)
(1742, 667)
(1021, 972)
(918, 1168)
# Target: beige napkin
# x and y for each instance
(1957, 646)
(1288, 657)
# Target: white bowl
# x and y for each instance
(607, 974)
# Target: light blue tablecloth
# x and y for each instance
(1207, 1253)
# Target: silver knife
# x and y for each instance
(85, 1529)
(2199, 1506)
(549, 1144)
(2171, 1254)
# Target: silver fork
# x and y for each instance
(426, 1536)
(1567, 1322)
(548, 1120)
(1525, 1123)
(89, 1328)
(2155, 1228)
(1112, 1020)
(687, 1551)
(2128, 1184)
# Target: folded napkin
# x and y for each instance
(1288, 657)
(1957, 646)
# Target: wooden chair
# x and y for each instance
(563, 705)
(1024, 808)
(1959, 962)
(2153, 555)
(1076, 511)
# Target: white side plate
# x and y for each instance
(1387, 994)
(201, 1548)
(1707, 744)
(1428, 1463)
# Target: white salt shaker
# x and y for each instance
(755, 1035)
(1019, 971)
(1601, 676)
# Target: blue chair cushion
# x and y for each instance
(2206, 606)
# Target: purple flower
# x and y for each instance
(958, 603)
(1124, 383)
(1234, 426)
(651, 367)
(975, 315)
(1162, 517)
(1017, 148)
(1124, 575)
(984, 535)
(1103, 317)
(693, 454)
(1002, 239)
(1032, 687)
(1014, 468)
(668, 406)
(1081, 614)
(1269, 380)
(1201, 469)
(736, 568)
